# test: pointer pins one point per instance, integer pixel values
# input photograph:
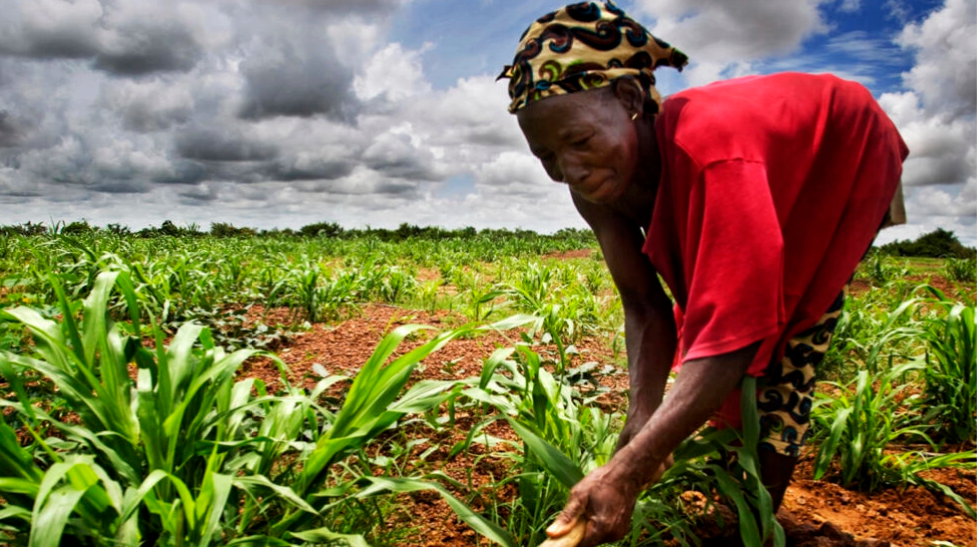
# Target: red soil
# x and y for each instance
(566, 255)
(815, 513)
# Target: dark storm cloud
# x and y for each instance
(155, 105)
(121, 186)
(395, 156)
(323, 169)
(11, 130)
(372, 186)
(489, 135)
(51, 46)
(286, 80)
(395, 188)
(184, 172)
(119, 39)
(20, 191)
(198, 195)
(214, 145)
(32, 114)
(142, 118)
(142, 49)
(70, 36)
(404, 168)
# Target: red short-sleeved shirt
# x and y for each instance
(772, 189)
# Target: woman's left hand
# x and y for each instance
(606, 499)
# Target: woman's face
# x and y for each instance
(586, 140)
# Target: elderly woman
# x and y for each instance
(754, 199)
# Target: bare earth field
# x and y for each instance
(815, 513)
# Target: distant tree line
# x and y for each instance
(940, 243)
(320, 229)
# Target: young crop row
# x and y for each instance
(213, 280)
(125, 422)
(184, 454)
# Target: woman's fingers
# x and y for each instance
(599, 532)
(571, 538)
(572, 514)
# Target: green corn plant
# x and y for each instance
(960, 269)
(879, 269)
(231, 275)
(951, 374)
(183, 454)
(396, 285)
(874, 338)
(480, 301)
(563, 440)
(371, 407)
(428, 294)
(271, 286)
(859, 424)
(305, 290)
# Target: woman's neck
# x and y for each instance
(639, 199)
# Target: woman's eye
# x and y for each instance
(582, 141)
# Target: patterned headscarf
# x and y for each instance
(585, 46)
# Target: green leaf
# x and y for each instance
(552, 459)
(492, 363)
(478, 523)
(49, 520)
(284, 491)
(731, 489)
(325, 535)
(215, 491)
(829, 448)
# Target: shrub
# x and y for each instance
(940, 243)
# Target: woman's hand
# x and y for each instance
(606, 499)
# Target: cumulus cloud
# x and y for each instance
(146, 106)
(210, 144)
(724, 37)
(141, 48)
(124, 38)
(50, 28)
(286, 79)
(12, 129)
(944, 73)
(393, 73)
(361, 7)
(936, 117)
(287, 112)
(513, 173)
(394, 154)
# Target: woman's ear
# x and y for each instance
(630, 95)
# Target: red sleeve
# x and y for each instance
(734, 261)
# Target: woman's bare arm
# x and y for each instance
(650, 330)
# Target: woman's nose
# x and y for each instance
(571, 170)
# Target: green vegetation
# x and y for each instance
(129, 418)
(940, 243)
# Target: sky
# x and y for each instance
(281, 113)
